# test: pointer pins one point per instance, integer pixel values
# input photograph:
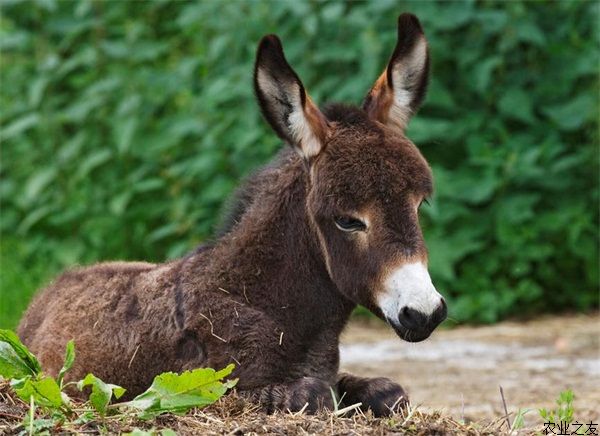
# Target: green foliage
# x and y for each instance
(18, 365)
(15, 359)
(38, 426)
(564, 411)
(43, 390)
(519, 421)
(101, 392)
(127, 124)
(169, 393)
(177, 393)
(68, 362)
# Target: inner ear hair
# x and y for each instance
(284, 101)
(276, 85)
(401, 88)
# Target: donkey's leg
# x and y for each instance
(293, 396)
(381, 395)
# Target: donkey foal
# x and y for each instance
(331, 223)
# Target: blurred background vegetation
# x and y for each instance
(125, 126)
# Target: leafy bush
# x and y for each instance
(127, 124)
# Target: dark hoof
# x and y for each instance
(380, 395)
(384, 397)
(311, 392)
(308, 394)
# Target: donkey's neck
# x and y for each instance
(272, 256)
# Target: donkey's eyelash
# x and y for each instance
(349, 224)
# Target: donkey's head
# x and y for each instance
(366, 180)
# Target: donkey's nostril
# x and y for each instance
(415, 320)
(440, 313)
(411, 318)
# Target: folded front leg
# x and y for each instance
(293, 396)
(381, 395)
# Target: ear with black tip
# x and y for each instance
(400, 89)
(284, 102)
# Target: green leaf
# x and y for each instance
(16, 361)
(19, 126)
(91, 162)
(36, 90)
(39, 181)
(34, 217)
(177, 393)
(124, 133)
(11, 365)
(101, 392)
(453, 15)
(483, 72)
(68, 363)
(573, 114)
(528, 31)
(519, 421)
(423, 129)
(45, 391)
(40, 426)
(516, 104)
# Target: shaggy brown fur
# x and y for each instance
(274, 292)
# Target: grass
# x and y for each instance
(233, 415)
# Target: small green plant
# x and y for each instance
(101, 392)
(169, 392)
(565, 410)
(519, 421)
(23, 370)
(178, 393)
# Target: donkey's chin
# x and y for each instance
(408, 334)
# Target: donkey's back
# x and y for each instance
(107, 308)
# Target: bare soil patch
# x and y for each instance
(459, 371)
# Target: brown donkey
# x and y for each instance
(318, 231)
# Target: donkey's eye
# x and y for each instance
(349, 224)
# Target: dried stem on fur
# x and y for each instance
(133, 356)
(212, 331)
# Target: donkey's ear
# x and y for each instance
(284, 102)
(399, 91)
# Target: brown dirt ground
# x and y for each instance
(459, 371)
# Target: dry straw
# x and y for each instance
(233, 415)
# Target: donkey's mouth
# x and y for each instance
(409, 335)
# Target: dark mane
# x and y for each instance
(241, 198)
(347, 115)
